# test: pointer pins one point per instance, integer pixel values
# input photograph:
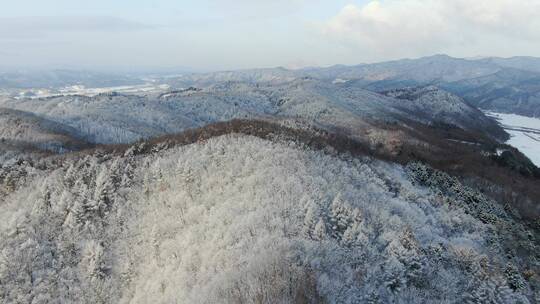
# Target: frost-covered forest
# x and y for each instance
(122, 118)
(239, 219)
(337, 185)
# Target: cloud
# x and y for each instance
(259, 9)
(35, 27)
(220, 34)
(416, 27)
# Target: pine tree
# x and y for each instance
(407, 251)
(514, 278)
(353, 236)
(372, 298)
(339, 219)
(310, 219)
(75, 213)
(127, 175)
(319, 232)
(44, 202)
(492, 290)
(394, 275)
(103, 193)
(94, 260)
(78, 211)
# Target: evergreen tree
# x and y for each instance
(339, 217)
(319, 232)
(513, 277)
(311, 219)
(492, 290)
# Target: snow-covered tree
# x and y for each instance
(241, 219)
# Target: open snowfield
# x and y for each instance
(131, 89)
(524, 132)
(86, 91)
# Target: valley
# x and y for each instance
(524, 133)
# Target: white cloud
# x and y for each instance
(417, 27)
(220, 34)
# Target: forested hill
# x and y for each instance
(236, 217)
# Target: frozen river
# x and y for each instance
(524, 132)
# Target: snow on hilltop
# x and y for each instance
(121, 118)
(437, 105)
(499, 84)
(237, 219)
(27, 130)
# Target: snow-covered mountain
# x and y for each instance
(439, 106)
(509, 85)
(525, 63)
(120, 118)
(508, 91)
(241, 219)
(61, 78)
(26, 130)
(268, 75)
(488, 82)
(438, 68)
(421, 70)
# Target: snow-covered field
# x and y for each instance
(82, 90)
(524, 132)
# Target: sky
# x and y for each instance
(207, 35)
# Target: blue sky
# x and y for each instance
(229, 34)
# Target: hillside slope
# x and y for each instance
(438, 106)
(507, 91)
(240, 219)
(26, 130)
(491, 83)
(121, 118)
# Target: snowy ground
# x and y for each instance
(524, 131)
(82, 90)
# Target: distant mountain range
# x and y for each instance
(121, 118)
(28, 79)
(507, 85)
